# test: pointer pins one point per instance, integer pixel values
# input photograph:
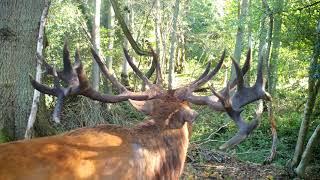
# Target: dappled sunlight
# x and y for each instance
(120, 75)
(49, 148)
(85, 169)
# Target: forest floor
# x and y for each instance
(219, 165)
(211, 164)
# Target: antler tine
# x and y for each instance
(66, 58)
(57, 91)
(217, 94)
(205, 72)
(222, 101)
(88, 91)
(135, 69)
(245, 68)
(49, 69)
(243, 96)
(58, 108)
(235, 114)
(211, 101)
(259, 71)
(240, 80)
(78, 84)
(42, 88)
(107, 74)
(159, 79)
(206, 78)
(246, 65)
(244, 130)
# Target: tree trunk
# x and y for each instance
(177, 55)
(266, 32)
(312, 94)
(180, 54)
(93, 111)
(125, 65)
(36, 94)
(19, 23)
(262, 54)
(239, 38)
(307, 154)
(250, 40)
(157, 23)
(96, 45)
(183, 52)
(273, 75)
(173, 44)
(164, 59)
(110, 29)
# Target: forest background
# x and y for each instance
(186, 35)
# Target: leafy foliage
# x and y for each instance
(209, 27)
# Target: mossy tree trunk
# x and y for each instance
(19, 23)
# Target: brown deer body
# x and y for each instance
(153, 149)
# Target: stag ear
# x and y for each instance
(187, 114)
(146, 107)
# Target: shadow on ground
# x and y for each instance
(208, 164)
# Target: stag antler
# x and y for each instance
(78, 83)
(232, 105)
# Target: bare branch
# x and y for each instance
(136, 69)
(36, 94)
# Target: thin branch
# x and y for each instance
(126, 30)
(307, 6)
(39, 56)
(208, 139)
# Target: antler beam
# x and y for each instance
(78, 84)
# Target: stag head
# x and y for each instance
(158, 102)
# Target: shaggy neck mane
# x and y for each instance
(162, 152)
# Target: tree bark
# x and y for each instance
(125, 65)
(239, 38)
(271, 117)
(110, 29)
(93, 111)
(173, 44)
(307, 154)
(157, 22)
(96, 45)
(39, 54)
(312, 94)
(19, 23)
(273, 75)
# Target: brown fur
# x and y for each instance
(154, 149)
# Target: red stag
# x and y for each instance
(153, 149)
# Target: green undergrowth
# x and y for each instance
(3, 137)
(212, 129)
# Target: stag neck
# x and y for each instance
(166, 148)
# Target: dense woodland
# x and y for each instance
(186, 35)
